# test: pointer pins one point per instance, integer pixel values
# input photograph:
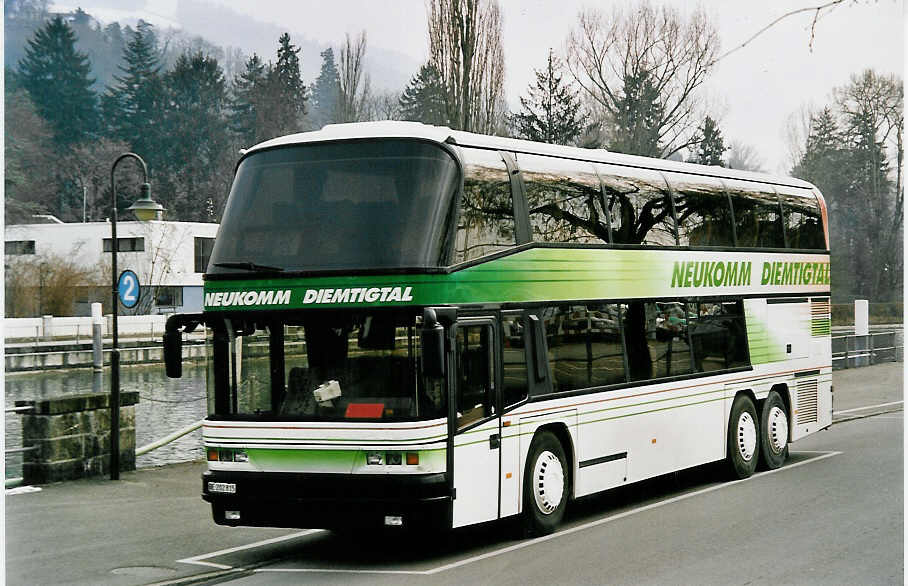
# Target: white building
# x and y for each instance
(168, 257)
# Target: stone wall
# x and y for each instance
(72, 436)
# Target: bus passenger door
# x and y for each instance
(477, 433)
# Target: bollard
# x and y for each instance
(97, 346)
(861, 332)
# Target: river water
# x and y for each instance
(165, 405)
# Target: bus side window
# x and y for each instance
(639, 206)
(718, 336)
(758, 219)
(803, 225)
(704, 215)
(486, 223)
(514, 364)
(564, 200)
(475, 399)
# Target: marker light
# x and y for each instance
(412, 458)
(394, 520)
(212, 454)
(232, 515)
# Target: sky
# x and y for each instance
(755, 90)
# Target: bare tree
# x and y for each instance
(744, 157)
(354, 81)
(465, 48)
(384, 106)
(648, 60)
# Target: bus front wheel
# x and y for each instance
(773, 432)
(743, 438)
(546, 484)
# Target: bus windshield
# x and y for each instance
(322, 366)
(374, 204)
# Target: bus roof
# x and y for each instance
(443, 134)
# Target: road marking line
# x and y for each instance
(340, 571)
(198, 558)
(867, 407)
(569, 531)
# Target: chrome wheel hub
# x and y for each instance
(746, 436)
(548, 482)
(777, 424)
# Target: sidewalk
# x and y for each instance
(133, 530)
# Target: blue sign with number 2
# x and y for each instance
(128, 289)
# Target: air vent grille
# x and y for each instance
(807, 401)
(820, 318)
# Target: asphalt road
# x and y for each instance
(832, 515)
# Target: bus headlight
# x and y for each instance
(375, 458)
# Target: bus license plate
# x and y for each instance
(225, 487)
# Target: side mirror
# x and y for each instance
(432, 343)
(173, 353)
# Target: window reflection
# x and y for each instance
(564, 200)
(639, 206)
(486, 223)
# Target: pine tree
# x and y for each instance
(423, 99)
(284, 98)
(326, 91)
(710, 144)
(196, 140)
(637, 119)
(246, 101)
(134, 107)
(56, 77)
(551, 113)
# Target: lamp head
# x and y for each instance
(145, 208)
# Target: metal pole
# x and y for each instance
(115, 350)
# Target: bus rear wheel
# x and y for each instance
(546, 485)
(743, 438)
(773, 432)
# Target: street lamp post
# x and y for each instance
(145, 209)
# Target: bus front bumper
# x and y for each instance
(331, 501)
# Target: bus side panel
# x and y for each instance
(685, 433)
(602, 452)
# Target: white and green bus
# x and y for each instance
(413, 326)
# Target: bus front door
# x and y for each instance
(477, 433)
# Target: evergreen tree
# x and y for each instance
(551, 113)
(638, 113)
(326, 91)
(423, 99)
(246, 101)
(196, 141)
(284, 99)
(134, 108)
(56, 77)
(710, 144)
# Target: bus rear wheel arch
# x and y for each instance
(547, 484)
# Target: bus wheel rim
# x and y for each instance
(778, 429)
(548, 482)
(747, 436)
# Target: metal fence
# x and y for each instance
(850, 351)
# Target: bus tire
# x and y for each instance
(774, 427)
(743, 438)
(546, 486)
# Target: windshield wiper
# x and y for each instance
(249, 266)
